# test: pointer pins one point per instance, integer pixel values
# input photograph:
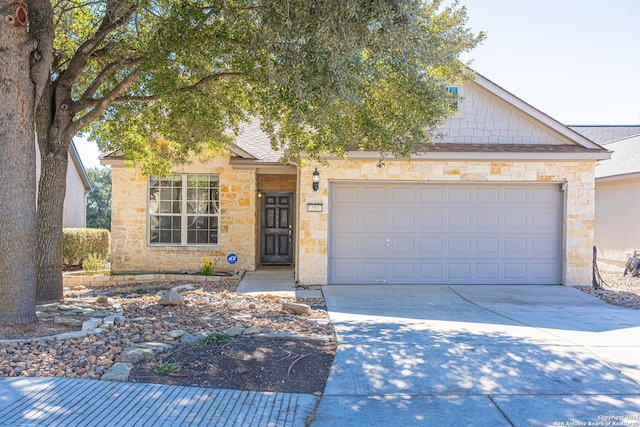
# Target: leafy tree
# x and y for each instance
(99, 198)
(159, 79)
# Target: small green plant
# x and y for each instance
(216, 338)
(94, 263)
(207, 266)
(141, 291)
(166, 368)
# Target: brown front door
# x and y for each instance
(277, 228)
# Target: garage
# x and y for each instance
(439, 233)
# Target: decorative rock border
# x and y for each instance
(71, 280)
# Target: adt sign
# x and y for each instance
(232, 258)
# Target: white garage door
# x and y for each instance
(405, 233)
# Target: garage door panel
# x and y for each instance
(516, 196)
(373, 271)
(515, 220)
(488, 221)
(431, 220)
(459, 195)
(346, 271)
(430, 195)
(459, 220)
(488, 271)
(373, 246)
(515, 271)
(543, 270)
(373, 219)
(403, 220)
(344, 245)
(374, 195)
(542, 220)
(345, 219)
(488, 196)
(445, 233)
(402, 195)
(402, 271)
(346, 194)
(431, 270)
(516, 245)
(459, 271)
(489, 246)
(430, 245)
(402, 246)
(459, 246)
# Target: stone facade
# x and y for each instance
(237, 232)
(312, 257)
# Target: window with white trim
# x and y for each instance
(184, 210)
(455, 97)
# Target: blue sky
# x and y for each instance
(576, 60)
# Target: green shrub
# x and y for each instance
(79, 243)
(166, 368)
(93, 263)
(216, 338)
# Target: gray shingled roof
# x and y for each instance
(255, 142)
(605, 134)
(624, 160)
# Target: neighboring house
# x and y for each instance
(75, 199)
(617, 202)
(505, 198)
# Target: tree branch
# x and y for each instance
(104, 75)
(79, 60)
(104, 103)
(84, 104)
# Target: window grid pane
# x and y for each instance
(166, 213)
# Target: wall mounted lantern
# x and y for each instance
(316, 180)
(259, 194)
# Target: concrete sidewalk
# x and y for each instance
(83, 402)
(80, 402)
(480, 356)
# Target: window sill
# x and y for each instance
(192, 248)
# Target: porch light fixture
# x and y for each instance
(316, 180)
(259, 194)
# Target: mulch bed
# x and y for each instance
(264, 364)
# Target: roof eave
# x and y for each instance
(75, 157)
(487, 156)
(621, 177)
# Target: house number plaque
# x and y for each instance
(314, 207)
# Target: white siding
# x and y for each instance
(484, 118)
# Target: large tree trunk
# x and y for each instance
(51, 191)
(17, 170)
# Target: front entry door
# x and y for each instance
(277, 228)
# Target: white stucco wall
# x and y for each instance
(617, 234)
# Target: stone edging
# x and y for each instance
(60, 337)
(69, 280)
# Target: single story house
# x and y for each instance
(617, 200)
(74, 214)
(506, 197)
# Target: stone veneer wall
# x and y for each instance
(277, 182)
(238, 198)
(312, 260)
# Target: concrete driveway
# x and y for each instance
(480, 356)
